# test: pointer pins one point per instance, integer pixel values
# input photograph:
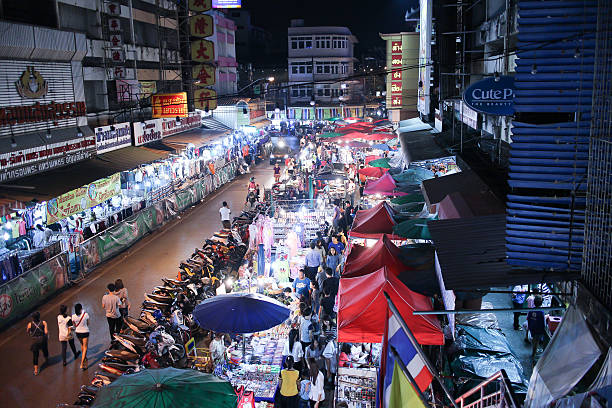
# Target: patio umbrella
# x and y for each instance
(358, 145)
(240, 313)
(384, 162)
(413, 229)
(381, 146)
(166, 387)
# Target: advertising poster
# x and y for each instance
(169, 105)
(148, 131)
(109, 138)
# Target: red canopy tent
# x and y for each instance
(383, 253)
(374, 222)
(374, 172)
(378, 136)
(362, 309)
(384, 185)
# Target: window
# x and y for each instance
(340, 42)
(294, 92)
(301, 42)
(327, 92)
(301, 91)
(319, 92)
(323, 41)
(301, 67)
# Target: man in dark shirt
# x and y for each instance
(336, 244)
(327, 306)
(536, 324)
(330, 284)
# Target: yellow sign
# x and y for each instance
(205, 99)
(204, 74)
(200, 5)
(147, 88)
(169, 105)
(202, 25)
(202, 51)
(82, 198)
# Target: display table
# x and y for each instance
(260, 378)
(357, 387)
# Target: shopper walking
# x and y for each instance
(111, 304)
(339, 246)
(80, 318)
(313, 262)
(66, 335)
(277, 172)
(37, 329)
(293, 348)
(536, 323)
(301, 286)
(305, 390)
(306, 328)
(317, 392)
(333, 261)
(225, 212)
(289, 385)
(518, 298)
(122, 292)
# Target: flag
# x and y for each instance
(396, 336)
(402, 394)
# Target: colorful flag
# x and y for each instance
(396, 336)
(402, 394)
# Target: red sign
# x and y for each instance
(396, 60)
(43, 152)
(396, 87)
(114, 24)
(115, 40)
(396, 75)
(396, 101)
(396, 47)
(12, 115)
(169, 105)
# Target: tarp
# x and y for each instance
(384, 162)
(329, 135)
(379, 136)
(358, 145)
(384, 185)
(412, 125)
(374, 172)
(465, 205)
(413, 229)
(381, 146)
(383, 253)
(414, 175)
(410, 198)
(374, 222)
(368, 159)
(570, 354)
(362, 309)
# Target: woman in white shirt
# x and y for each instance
(294, 348)
(80, 320)
(65, 326)
(317, 392)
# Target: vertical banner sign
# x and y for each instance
(205, 74)
(424, 56)
(201, 25)
(116, 41)
(200, 6)
(114, 25)
(205, 99)
(394, 85)
(202, 51)
(169, 105)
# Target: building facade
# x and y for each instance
(224, 39)
(320, 65)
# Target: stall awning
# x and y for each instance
(362, 309)
(374, 222)
(465, 205)
(383, 253)
(54, 183)
(197, 137)
(466, 182)
(472, 254)
(420, 145)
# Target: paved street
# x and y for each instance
(141, 267)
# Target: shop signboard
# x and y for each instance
(200, 5)
(201, 25)
(109, 138)
(28, 170)
(171, 127)
(118, 238)
(223, 4)
(423, 101)
(148, 131)
(147, 88)
(169, 105)
(83, 198)
(23, 293)
(494, 96)
(205, 99)
(205, 74)
(202, 51)
(119, 73)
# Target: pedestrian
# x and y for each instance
(277, 172)
(289, 383)
(330, 354)
(301, 286)
(315, 296)
(518, 298)
(66, 332)
(536, 323)
(314, 350)
(305, 390)
(80, 318)
(37, 329)
(225, 212)
(111, 304)
(294, 349)
(331, 283)
(321, 276)
(339, 246)
(122, 292)
(306, 328)
(313, 261)
(333, 261)
(317, 392)
(217, 349)
(321, 247)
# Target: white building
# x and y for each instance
(318, 60)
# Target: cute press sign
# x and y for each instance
(495, 97)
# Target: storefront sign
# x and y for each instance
(147, 88)
(202, 51)
(492, 96)
(205, 98)
(396, 101)
(169, 105)
(109, 138)
(12, 115)
(83, 198)
(31, 84)
(172, 127)
(396, 87)
(222, 4)
(200, 5)
(119, 73)
(396, 75)
(28, 170)
(205, 74)
(201, 25)
(146, 132)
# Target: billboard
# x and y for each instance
(491, 95)
(148, 131)
(226, 4)
(109, 138)
(423, 102)
(169, 105)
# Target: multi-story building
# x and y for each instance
(320, 62)
(224, 38)
(252, 43)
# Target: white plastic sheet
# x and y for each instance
(570, 354)
(605, 374)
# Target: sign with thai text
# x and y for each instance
(148, 131)
(40, 112)
(169, 105)
(172, 127)
(28, 170)
(147, 88)
(83, 198)
(109, 138)
(494, 96)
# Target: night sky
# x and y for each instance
(365, 19)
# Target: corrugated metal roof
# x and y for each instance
(197, 137)
(472, 254)
(56, 182)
